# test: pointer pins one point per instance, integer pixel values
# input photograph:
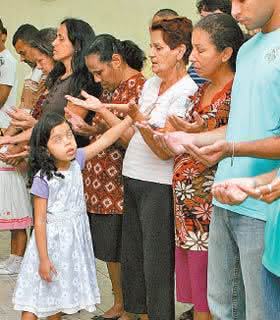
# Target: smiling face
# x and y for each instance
(205, 57)
(62, 47)
(43, 61)
(62, 145)
(105, 73)
(162, 57)
(253, 14)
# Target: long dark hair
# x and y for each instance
(39, 157)
(80, 34)
(224, 32)
(105, 45)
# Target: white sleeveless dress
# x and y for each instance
(69, 249)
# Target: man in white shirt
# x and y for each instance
(22, 38)
(8, 82)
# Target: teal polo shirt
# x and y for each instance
(254, 114)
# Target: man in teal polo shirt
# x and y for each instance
(248, 147)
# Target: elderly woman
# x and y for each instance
(148, 223)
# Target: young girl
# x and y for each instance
(58, 271)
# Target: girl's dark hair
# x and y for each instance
(80, 33)
(176, 31)
(105, 45)
(39, 157)
(224, 33)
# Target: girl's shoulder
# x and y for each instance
(40, 186)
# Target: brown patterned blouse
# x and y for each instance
(103, 174)
(192, 181)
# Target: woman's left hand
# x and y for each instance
(21, 119)
(90, 103)
(179, 124)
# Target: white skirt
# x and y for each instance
(75, 286)
(15, 205)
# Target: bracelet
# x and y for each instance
(232, 155)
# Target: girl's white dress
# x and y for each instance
(69, 249)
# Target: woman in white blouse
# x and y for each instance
(148, 222)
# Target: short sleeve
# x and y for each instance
(40, 188)
(81, 157)
(7, 72)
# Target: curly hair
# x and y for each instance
(176, 31)
(39, 156)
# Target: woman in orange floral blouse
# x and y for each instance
(216, 40)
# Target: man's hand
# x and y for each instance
(212, 154)
(267, 193)
(174, 142)
(232, 191)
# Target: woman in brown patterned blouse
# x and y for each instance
(117, 66)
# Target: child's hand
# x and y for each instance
(46, 269)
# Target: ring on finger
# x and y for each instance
(260, 197)
(269, 186)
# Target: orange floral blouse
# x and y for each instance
(192, 181)
(103, 174)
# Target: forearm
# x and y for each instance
(22, 137)
(11, 131)
(112, 120)
(265, 178)
(209, 137)
(150, 141)
(268, 148)
(107, 139)
(41, 236)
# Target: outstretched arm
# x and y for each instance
(107, 139)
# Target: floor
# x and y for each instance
(7, 284)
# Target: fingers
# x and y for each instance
(85, 94)
(75, 101)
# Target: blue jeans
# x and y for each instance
(271, 294)
(234, 266)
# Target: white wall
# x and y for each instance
(125, 19)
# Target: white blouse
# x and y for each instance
(140, 162)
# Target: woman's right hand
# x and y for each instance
(46, 270)
(5, 140)
(196, 126)
(90, 103)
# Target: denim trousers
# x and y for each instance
(234, 266)
(271, 294)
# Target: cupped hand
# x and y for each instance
(197, 125)
(267, 193)
(211, 154)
